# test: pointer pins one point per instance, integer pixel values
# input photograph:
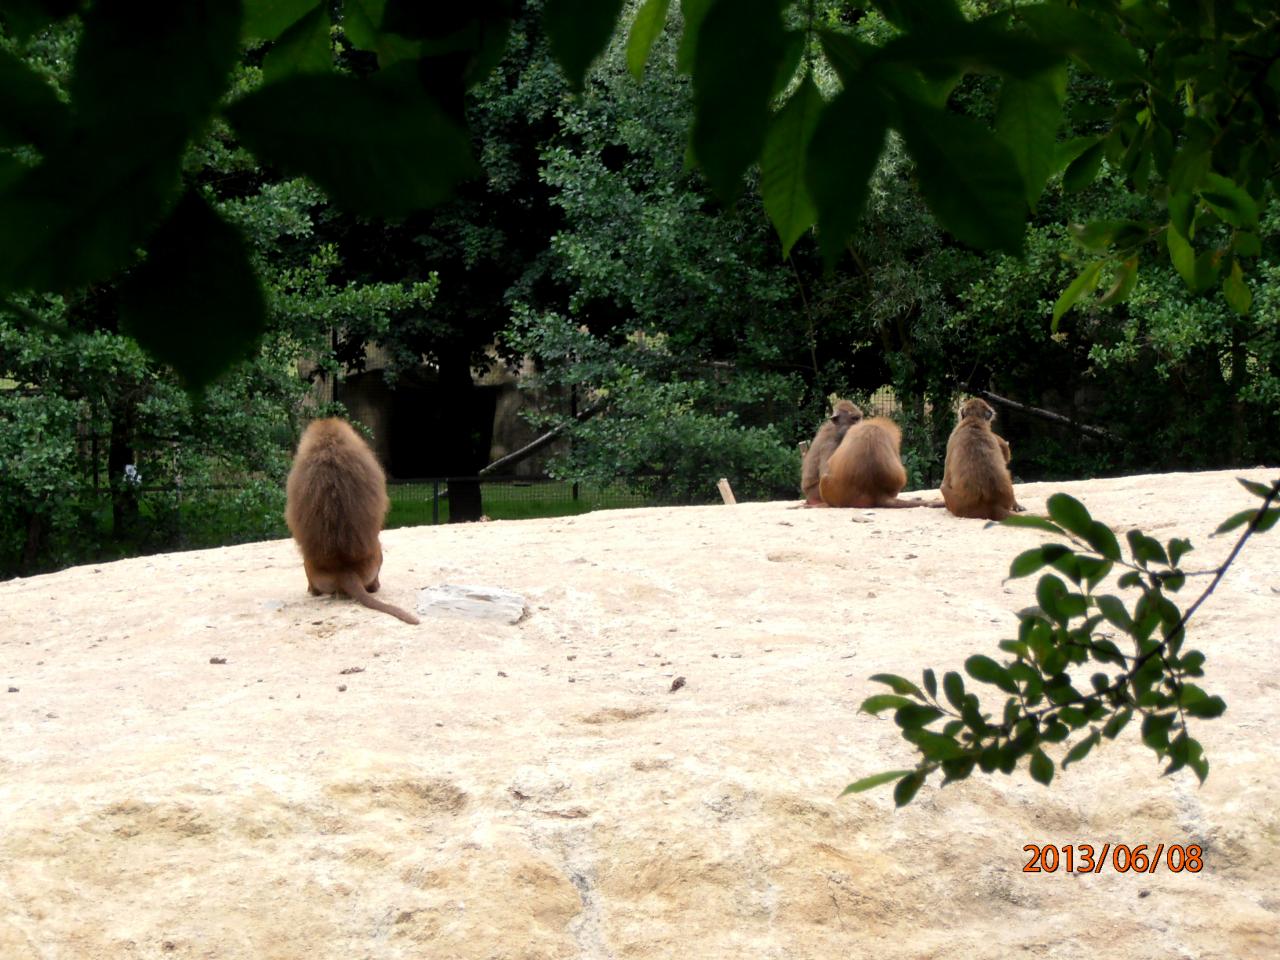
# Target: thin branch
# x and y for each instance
(1099, 432)
(1162, 647)
(531, 448)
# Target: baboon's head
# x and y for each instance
(845, 414)
(977, 409)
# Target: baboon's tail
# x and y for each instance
(354, 589)
(899, 502)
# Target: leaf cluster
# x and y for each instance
(1049, 709)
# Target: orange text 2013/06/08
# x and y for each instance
(1120, 857)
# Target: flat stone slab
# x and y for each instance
(471, 603)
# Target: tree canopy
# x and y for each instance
(1188, 116)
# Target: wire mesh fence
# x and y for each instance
(426, 501)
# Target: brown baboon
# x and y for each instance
(976, 481)
(337, 499)
(843, 416)
(866, 469)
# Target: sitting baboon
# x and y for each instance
(336, 502)
(975, 480)
(866, 469)
(843, 416)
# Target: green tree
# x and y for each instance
(84, 186)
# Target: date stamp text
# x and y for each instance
(1120, 857)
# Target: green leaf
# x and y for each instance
(1196, 759)
(360, 22)
(1096, 42)
(1182, 255)
(884, 701)
(1104, 651)
(380, 146)
(1068, 150)
(1126, 278)
(907, 788)
(1192, 663)
(866, 783)
(793, 47)
(969, 178)
(267, 19)
(1041, 767)
(931, 683)
(899, 685)
(30, 111)
(577, 32)
(1182, 212)
(1155, 730)
(1178, 548)
(1098, 235)
(1070, 514)
(195, 302)
(1049, 593)
(1235, 520)
(843, 153)
(1027, 562)
(988, 671)
(957, 770)
(303, 48)
(1245, 244)
(782, 165)
(939, 48)
(1260, 490)
(80, 216)
(1115, 612)
(1199, 704)
(919, 14)
(1027, 121)
(692, 12)
(953, 687)
(1027, 520)
(1268, 520)
(1145, 548)
(1099, 536)
(1081, 285)
(1230, 202)
(1117, 723)
(1083, 170)
(934, 745)
(915, 715)
(646, 27)
(740, 47)
(1081, 749)
(1094, 571)
(167, 67)
(1236, 292)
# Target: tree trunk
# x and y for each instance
(458, 440)
(34, 546)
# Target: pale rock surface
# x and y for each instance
(487, 790)
(471, 603)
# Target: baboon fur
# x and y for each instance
(976, 482)
(866, 469)
(337, 500)
(843, 416)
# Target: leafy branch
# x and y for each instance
(1044, 706)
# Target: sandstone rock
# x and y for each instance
(153, 806)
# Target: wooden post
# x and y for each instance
(726, 492)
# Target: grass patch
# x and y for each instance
(411, 503)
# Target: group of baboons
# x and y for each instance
(856, 462)
(337, 492)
